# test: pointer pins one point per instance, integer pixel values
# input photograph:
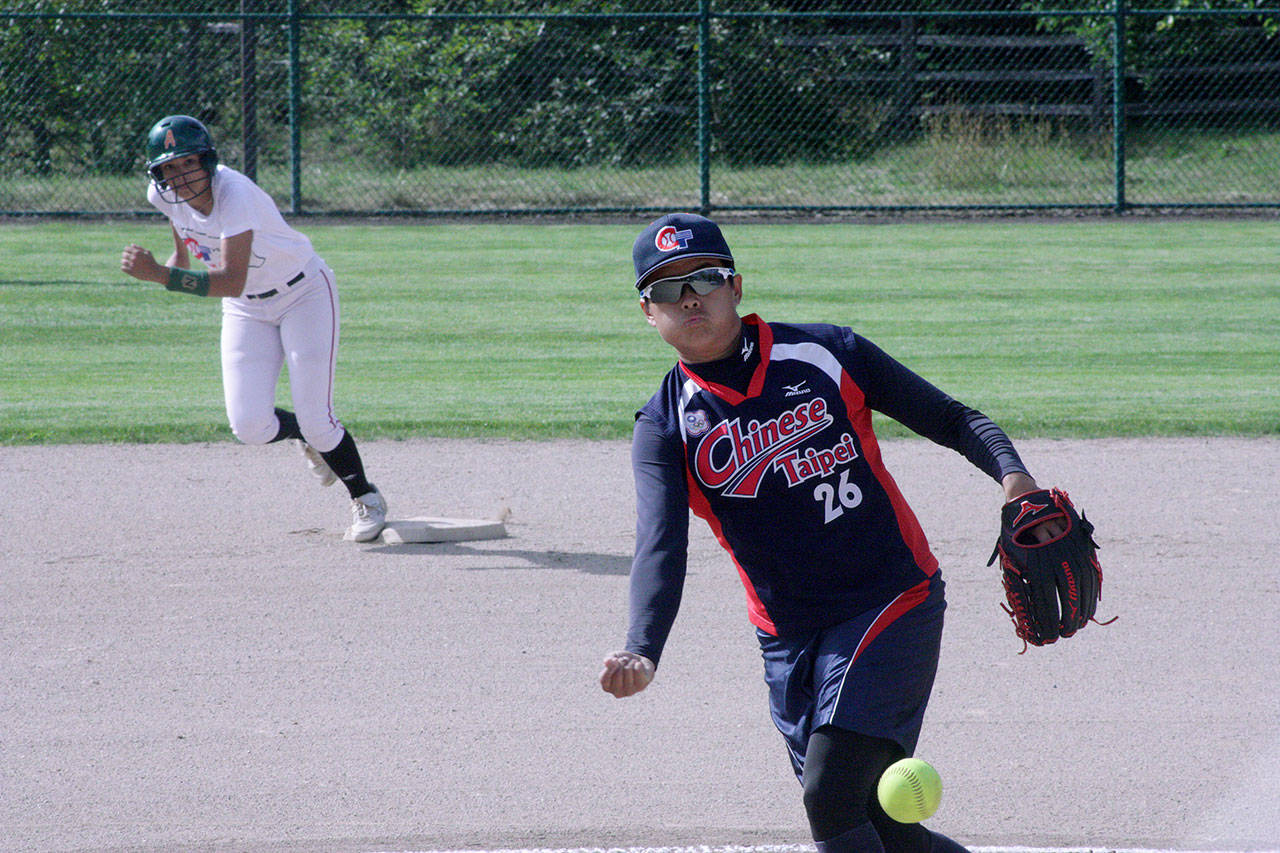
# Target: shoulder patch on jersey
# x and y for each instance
(696, 422)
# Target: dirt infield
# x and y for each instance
(193, 659)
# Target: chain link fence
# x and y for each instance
(455, 107)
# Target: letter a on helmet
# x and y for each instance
(177, 136)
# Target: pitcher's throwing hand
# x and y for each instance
(626, 674)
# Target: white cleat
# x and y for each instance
(368, 516)
(316, 464)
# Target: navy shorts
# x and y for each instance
(872, 674)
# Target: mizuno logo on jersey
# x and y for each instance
(801, 387)
(735, 461)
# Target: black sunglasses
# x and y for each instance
(701, 282)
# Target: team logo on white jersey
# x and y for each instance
(735, 461)
(204, 253)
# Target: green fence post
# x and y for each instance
(249, 88)
(1118, 101)
(295, 110)
(704, 106)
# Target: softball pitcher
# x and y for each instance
(279, 305)
(764, 430)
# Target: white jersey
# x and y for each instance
(279, 252)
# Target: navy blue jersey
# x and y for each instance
(774, 448)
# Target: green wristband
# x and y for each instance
(194, 282)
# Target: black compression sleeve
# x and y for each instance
(662, 537)
(983, 443)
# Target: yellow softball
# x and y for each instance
(910, 790)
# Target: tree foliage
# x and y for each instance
(541, 82)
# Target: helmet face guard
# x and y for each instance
(179, 136)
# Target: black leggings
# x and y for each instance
(841, 771)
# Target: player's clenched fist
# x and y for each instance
(139, 263)
(626, 674)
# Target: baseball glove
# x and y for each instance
(1052, 587)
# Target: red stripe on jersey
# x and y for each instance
(908, 524)
(756, 611)
(756, 385)
(900, 605)
(333, 347)
(766, 347)
(722, 391)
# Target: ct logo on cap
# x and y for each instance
(668, 239)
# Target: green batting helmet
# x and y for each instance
(178, 136)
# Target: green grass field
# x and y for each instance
(1067, 329)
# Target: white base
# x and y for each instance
(410, 530)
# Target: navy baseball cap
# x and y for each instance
(677, 235)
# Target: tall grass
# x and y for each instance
(1040, 159)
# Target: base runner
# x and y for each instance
(279, 305)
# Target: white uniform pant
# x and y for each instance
(297, 326)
